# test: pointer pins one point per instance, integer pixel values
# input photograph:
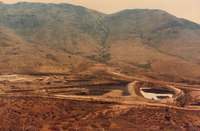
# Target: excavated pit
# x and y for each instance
(156, 94)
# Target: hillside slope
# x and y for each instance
(51, 34)
(156, 40)
(18, 56)
(158, 29)
(70, 28)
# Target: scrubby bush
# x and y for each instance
(54, 127)
(183, 99)
(66, 126)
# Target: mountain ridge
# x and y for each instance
(143, 38)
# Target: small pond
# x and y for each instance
(156, 94)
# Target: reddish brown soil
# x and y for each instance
(63, 103)
(40, 114)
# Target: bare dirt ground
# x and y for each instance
(80, 102)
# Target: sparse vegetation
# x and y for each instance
(183, 99)
(43, 108)
(83, 70)
(92, 37)
(51, 56)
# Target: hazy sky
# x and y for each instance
(188, 9)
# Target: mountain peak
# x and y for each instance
(1, 3)
(143, 38)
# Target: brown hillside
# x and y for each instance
(59, 37)
(20, 57)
